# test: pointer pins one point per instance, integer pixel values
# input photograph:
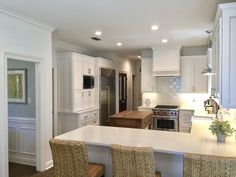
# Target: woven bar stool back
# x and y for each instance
(133, 161)
(196, 165)
(70, 158)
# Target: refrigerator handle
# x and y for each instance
(108, 100)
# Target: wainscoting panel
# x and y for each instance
(22, 140)
(27, 140)
(12, 134)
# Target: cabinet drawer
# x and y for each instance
(94, 122)
(184, 129)
(185, 123)
(84, 117)
(84, 123)
(94, 115)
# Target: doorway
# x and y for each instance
(39, 83)
(122, 92)
(21, 116)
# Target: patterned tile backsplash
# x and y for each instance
(168, 91)
(168, 85)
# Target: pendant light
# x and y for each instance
(208, 70)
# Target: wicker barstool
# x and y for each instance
(133, 161)
(70, 159)
(196, 165)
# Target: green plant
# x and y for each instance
(218, 127)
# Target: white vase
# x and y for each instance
(147, 102)
(220, 138)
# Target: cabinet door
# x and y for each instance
(187, 74)
(185, 117)
(89, 65)
(192, 79)
(200, 81)
(147, 79)
(78, 100)
(91, 98)
(77, 74)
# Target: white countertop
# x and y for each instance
(200, 140)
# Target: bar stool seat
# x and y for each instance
(133, 161)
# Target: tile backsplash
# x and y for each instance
(168, 91)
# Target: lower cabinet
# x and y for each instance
(74, 120)
(185, 117)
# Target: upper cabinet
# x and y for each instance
(71, 68)
(147, 78)
(166, 61)
(192, 79)
(89, 65)
(224, 55)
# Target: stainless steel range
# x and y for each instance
(166, 117)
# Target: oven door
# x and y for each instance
(166, 124)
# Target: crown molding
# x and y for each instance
(27, 19)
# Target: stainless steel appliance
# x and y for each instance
(107, 96)
(166, 117)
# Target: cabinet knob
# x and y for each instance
(89, 70)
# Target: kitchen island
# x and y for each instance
(132, 119)
(169, 147)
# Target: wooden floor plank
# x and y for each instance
(20, 170)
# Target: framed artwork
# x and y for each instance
(17, 92)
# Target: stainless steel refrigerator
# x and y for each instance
(107, 94)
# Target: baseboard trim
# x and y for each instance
(49, 164)
(22, 160)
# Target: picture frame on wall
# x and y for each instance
(17, 90)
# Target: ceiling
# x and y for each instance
(182, 22)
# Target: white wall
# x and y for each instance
(23, 37)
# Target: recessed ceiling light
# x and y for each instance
(164, 41)
(98, 33)
(119, 44)
(139, 57)
(154, 27)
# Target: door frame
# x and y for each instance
(4, 56)
(127, 94)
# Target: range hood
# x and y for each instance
(166, 61)
(208, 70)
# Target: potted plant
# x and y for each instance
(221, 129)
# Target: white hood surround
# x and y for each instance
(166, 61)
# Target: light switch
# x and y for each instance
(29, 100)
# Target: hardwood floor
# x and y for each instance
(20, 170)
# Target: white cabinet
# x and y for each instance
(185, 117)
(147, 78)
(224, 55)
(166, 61)
(71, 121)
(72, 96)
(89, 65)
(192, 79)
